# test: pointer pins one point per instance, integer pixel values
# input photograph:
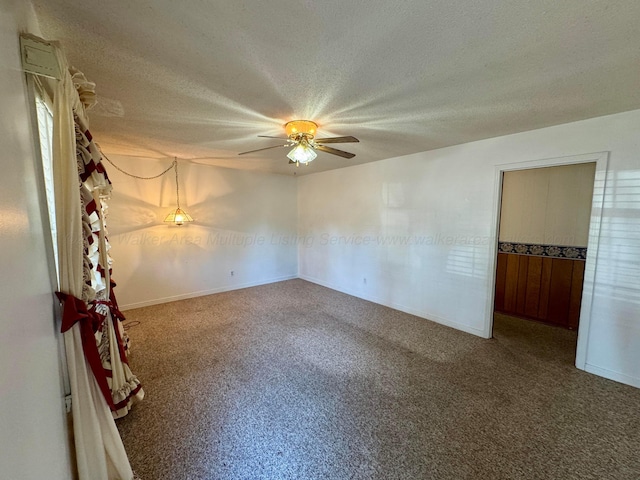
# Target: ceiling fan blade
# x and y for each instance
(337, 140)
(269, 136)
(335, 151)
(261, 149)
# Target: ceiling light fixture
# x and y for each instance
(301, 132)
(301, 127)
(302, 153)
(301, 135)
(178, 216)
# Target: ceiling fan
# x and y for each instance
(301, 136)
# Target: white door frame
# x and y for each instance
(601, 160)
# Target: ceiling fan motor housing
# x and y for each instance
(301, 128)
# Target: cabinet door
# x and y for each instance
(540, 288)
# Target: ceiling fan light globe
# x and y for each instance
(302, 153)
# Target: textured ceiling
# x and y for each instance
(200, 80)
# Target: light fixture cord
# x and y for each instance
(173, 164)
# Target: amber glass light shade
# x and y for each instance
(296, 127)
(178, 217)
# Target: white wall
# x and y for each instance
(33, 435)
(420, 229)
(245, 222)
(549, 206)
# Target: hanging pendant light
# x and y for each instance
(178, 216)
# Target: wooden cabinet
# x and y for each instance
(542, 288)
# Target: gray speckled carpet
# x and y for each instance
(296, 381)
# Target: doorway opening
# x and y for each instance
(547, 220)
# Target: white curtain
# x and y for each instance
(99, 450)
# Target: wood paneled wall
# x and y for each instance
(543, 288)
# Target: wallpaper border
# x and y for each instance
(537, 250)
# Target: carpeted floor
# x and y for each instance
(295, 381)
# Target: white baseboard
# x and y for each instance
(426, 315)
(601, 372)
(202, 293)
(613, 375)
